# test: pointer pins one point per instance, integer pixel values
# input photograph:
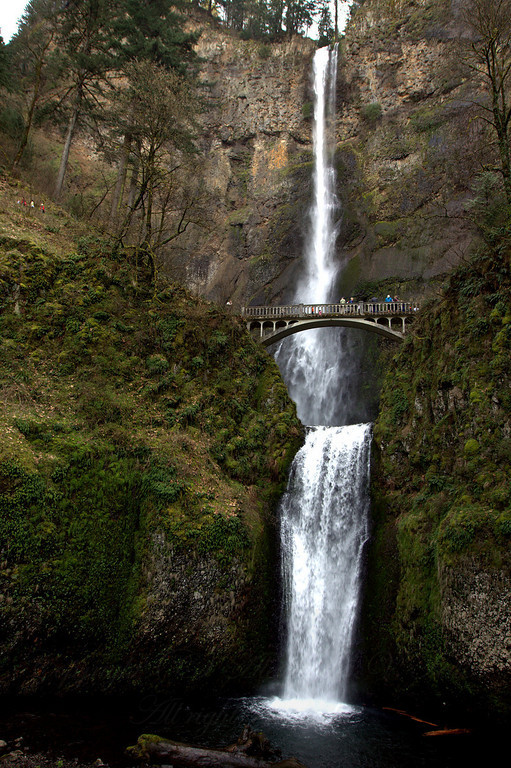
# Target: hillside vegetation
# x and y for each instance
(439, 585)
(144, 440)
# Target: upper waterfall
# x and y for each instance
(315, 364)
(318, 278)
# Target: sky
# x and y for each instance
(11, 11)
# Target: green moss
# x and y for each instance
(441, 478)
(387, 232)
(307, 110)
(131, 415)
(471, 447)
(371, 113)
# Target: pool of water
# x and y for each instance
(321, 735)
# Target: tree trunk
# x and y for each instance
(133, 184)
(185, 756)
(121, 178)
(30, 117)
(149, 216)
(67, 146)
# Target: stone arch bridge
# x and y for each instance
(391, 319)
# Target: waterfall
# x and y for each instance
(316, 364)
(324, 511)
(318, 278)
(324, 527)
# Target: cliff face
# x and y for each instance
(256, 163)
(409, 144)
(408, 149)
(438, 594)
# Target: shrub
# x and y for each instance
(471, 447)
(307, 110)
(371, 113)
(157, 364)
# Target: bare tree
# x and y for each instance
(156, 109)
(490, 60)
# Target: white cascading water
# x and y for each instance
(324, 527)
(312, 363)
(325, 509)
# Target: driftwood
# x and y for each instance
(447, 732)
(252, 750)
(411, 717)
(437, 732)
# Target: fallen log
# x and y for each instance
(438, 730)
(447, 732)
(411, 717)
(152, 748)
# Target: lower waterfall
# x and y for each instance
(324, 528)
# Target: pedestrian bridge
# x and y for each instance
(391, 319)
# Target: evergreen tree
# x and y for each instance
(151, 30)
(326, 31)
(275, 10)
(299, 15)
(33, 56)
(5, 69)
(147, 30)
(85, 45)
(270, 18)
(11, 123)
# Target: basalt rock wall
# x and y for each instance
(436, 619)
(409, 148)
(410, 144)
(256, 149)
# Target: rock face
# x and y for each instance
(406, 121)
(196, 606)
(408, 149)
(476, 618)
(438, 595)
(255, 142)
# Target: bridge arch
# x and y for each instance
(297, 326)
(389, 318)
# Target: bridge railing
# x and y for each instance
(358, 308)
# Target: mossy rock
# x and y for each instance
(136, 422)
